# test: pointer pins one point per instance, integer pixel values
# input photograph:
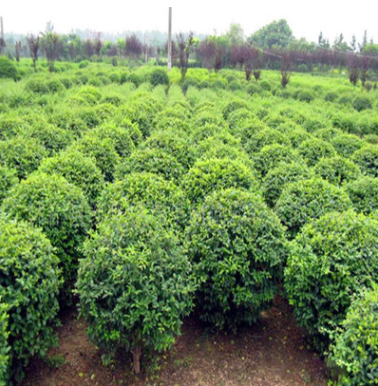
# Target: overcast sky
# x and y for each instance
(306, 18)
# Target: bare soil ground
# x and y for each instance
(273, 353)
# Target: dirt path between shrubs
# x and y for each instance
(273, 353)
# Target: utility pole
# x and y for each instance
(170, 39)
(2, 41)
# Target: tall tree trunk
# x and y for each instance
(137, 351)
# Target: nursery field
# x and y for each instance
(206, 232)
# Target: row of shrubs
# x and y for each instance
(162, 205)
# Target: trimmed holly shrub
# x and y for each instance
(172, 144)
(304, 201)
(364, 194)
(119, 136)
(270, 156)
(369, 138)
(102, 151)
(315, 149)
(77, 169)
(204, 118)
(29, 287)
(238, 117)
(355, 351)
(8, 178)
(159, 76)
(59, 208)
(232, 106)
(361, 103)
(326, 134)
(151, 161)
(347, 144)
(329, 261)
(214, 147)
(263, 138)
(278, 177)
(161, 197)
(208, 131)
(134, 284)
(132, 128)
(140, 113)
(7, 69)
(10, 126)
(4, 346)
(22, 154)
(297, 135)
(306, 96)
(53, 138)
(215, 174)
(236, 245)
(367, 159)
(337, 170)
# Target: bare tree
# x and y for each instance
(286, 68)
(97, 43)
(51, 45)
(206, 53)
(17, 50)
(353, 69)
(33, 42)
(185, 47)
(133, 48)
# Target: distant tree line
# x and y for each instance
(271, 47)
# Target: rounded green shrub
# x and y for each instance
(315, 149)
(172, 144)
(7, 69)
(302, 202)
(278, 177)
(214, 147)
(4, 346)
(264, 138)
(119, 136)
(37, 86)
(53, 138)
(134, 284)
(8, 178)
(161, 197)
(236, 245)
(77, 169)
(238, 117)
(306, 96)
(22, 154)
(132, 128)
(364, 194)
(102, 151)
(214, 174)
(296, 136)
(337, 170)
(327, 134)
(355, 351)
(328, 262)
(362, 103)
(159, 76)
(59, 208)
(347, 144)
(151, 161)
(205, 118)
(371, 138)
(29, 287)
(331, 96)
(232, 106)
(367, 159)
(10, 126)
(270, 156)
